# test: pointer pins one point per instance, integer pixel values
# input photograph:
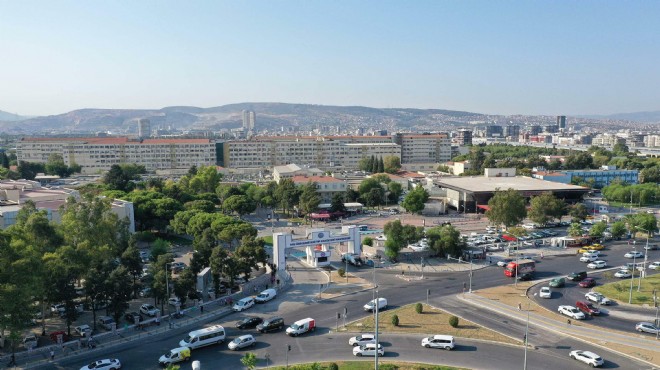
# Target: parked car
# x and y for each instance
(249, 322)
(557, 283)
(545, 292)
(107, 364)
(106, 322)
(82, 330)
(149, 310)
(587, 357)
(174, 301)
(571, 312)
(132, 317)
(597, 298)
(646, 327)
(655, 265)
(634, 254)
(623, 274)
(587, 308)
(242, 342)
(597, 264)
(177, 267)
(361, 340)
(587, 283)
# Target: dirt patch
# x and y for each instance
(430, 322)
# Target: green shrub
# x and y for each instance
(453, 321)
(395, 320)
(368, 241)
(145, 236)
(419, 308)
(333, 366)
(341, 272)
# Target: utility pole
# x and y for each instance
(646, 256)
(428, 293)
(632, 276)
(288, 349)
(376, 334)
(167, 286)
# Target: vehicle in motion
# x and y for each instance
(598, 298)
(634, 254)
(353, 259)
(149, 310)
(577, 276)
(266, 296)
(504, 262)
(655, 265)
(519, 267)
(557, 283)
(587, 283)
(371, 305)
(571, 312)
(439, 341)
(243, 304)
(599, 264)
(646, 327)
(587, 308)
(545, 292)
(204, 337)
(242, 342)
(369, 350)
(361, 340)
(588, 257)
(301, 327)
(249, 322)
(587, 357)
(526, 276)
(107, 364)
(622, 274)
(271, 324)
(175, 355)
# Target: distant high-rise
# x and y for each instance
(464, 137)
(551, 129)
(249, 120)
(512, 131)
(144, 128)
(561, 122)
(493, 130)
(535, 130)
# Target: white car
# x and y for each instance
(623, 274)
(369, 350)
(439, 341)
(149, 310)
(107, 364)
(634, 254)
(597, 298)
(419, 247)
(545, 292)
(361, 340)
(655, 265)
(571, 312)
(587, 357)
(83, 329)
(588, 258)
(381, 238)
(242, 342)
(174, 301)
(529, 226)
(597, 264)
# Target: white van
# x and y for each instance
(204, 337)
(243, 304)
(439, 341)
(175, 355)
(370, 306)
(301, 327)
(266, 296)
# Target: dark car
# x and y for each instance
(272, 324)
(587, 283)
(131, 317)
(249, 322)
(526, 276)
(577, 276)
(557, 282)
(587, 308)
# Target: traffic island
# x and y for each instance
(429, 322)
(365, 365)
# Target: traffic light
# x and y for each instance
(288, 347)
(338, 315)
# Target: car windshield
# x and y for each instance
(237, 340)
(170, 355)
(295, 326)
(189, 339)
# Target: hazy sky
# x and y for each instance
(501, 57)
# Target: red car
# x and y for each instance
(587, 308)
(55, 334)
(587, 283)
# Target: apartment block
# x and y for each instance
(99, 154)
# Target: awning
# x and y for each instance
(484, 207)
(319, 216)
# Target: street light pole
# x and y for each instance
(167, 286)
(526, 334)
(632, 276)
(376, 334)
(646, 256)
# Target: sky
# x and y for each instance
(495, 57)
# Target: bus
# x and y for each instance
(571, 242)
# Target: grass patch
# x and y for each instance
(268, 239)
(620, 290)
(430, 322)
(367, 365)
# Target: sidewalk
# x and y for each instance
(560, 327)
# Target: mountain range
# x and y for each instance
(272, 117)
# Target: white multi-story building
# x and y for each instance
(326, 186)
(99, 154)
(652, 141)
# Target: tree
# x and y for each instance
(395, 190)
(159, 248)
(337, 203)
(131, 260)
(618, 229)
(578, 212)
(28, 170)
(287, 194)
(544, 208)
(116, 179)
(650, 175)
(374, 197)
(620, 149)
(578, 161)
(392, 164)
(120, 291)
(446, 240)
(642, 222)
(56, 166)
(249, 360)
(309, 198)
(598, 229)
(365, 164)
(575, 230)
(368, 241)
(506, 208)
(381, 165)
(184, 285)
(240, 204)
(415, 200)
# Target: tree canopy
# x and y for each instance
(507, 207)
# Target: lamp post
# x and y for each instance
(646, 256)
(632, 276)
(167, 287)
(376, 333)
(527, 333)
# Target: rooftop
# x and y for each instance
(482, 184)
(306, 179)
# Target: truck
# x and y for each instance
(353, 259)
(522, 267)
(301, 327)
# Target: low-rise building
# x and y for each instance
(326, 186)
(596, 178)
(291, 170)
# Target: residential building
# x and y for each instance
(596, 178)
(512, 131)
(494, 130)
(535, 130)
(144, 128)
(561, 122)
(464, 137)
(100, 153)
(326, 186)
(607, 140)
(652, 141)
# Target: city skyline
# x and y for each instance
(493, 58)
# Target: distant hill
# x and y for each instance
(651, 116)
(6, 116)
(270, 116)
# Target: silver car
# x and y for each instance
(242, 342)
(646, 327)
